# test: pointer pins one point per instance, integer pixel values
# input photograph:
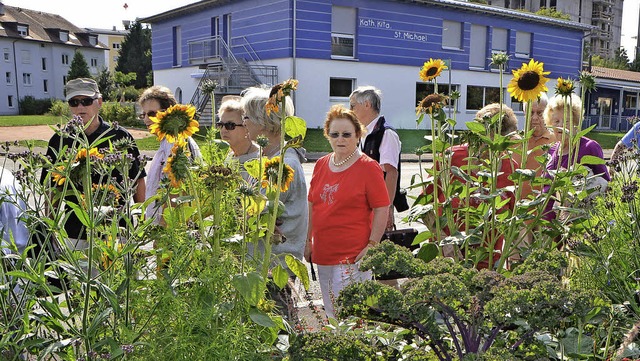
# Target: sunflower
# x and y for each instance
(110, 189)
(431, 103)
(270, 175)
(528, 81)
(565, 87)
(58, 176)
(277, 94)
(588, 81)
(83, 153)
(432, 69)
(177, 168)
(175, 123)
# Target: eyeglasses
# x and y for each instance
(84, 101)
(150, 113)
(345, 135)
(228, 126)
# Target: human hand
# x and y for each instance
(362, 253)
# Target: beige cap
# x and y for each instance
(81, 86)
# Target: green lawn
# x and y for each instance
(24, 120)
(314, 142)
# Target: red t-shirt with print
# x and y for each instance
(342, 208)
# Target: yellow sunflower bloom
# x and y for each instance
(270, 174)
(177, 168)
(278, 93)
(83, 153)
(565, 87)
(432, 69)
(58, 176)
(112, 191)
(431, 103)
(175, 123)
(528, 81)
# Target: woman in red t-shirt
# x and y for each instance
(348, 205)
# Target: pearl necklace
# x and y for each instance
(333, 158)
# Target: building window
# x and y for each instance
(64, 36)
(343, 31)
(44, 64)
(93, 40)
(523, 44)
(424, 89)
(340, 87)
(9, 78)
(479, 96)
(7, 56)
(115, 45)
(64, 79)
(26, 78)
(45, 85)
(516, 106)
(177, 41)
(65, 59)
(94, 62)
(478, 47)
(10, 101)
(451, 34)
(499, 42)
(630, 101)
(23, 30)
(26, 56)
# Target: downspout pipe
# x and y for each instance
(294, 44)
(15, 70)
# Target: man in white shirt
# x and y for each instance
(381, 143)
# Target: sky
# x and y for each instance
(100, 14)
(104, 14)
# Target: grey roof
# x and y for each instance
(43, 27)
(463, 5)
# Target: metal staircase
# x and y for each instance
(230, 73)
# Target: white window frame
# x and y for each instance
(23, 30)
(64, 36)
(523, 40)
(341, 97)
(93, 40)
(10, 102)
(448, 28)
(343, 31)
(336, 38)
(94, 62)
(44, 64)
(45, 85)
(26, 79)
(7, 55)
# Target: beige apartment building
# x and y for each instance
(604, 15)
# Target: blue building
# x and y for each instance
(334, 46)
(614, 101)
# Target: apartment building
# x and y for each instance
(37, 50)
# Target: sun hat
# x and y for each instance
(81, 86)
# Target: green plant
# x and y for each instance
(60, 109)
(32, 106)
(123, 114)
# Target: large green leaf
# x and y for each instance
(590, 159)
(280, 276)
(82, 215)
(261, 318)
(254, 167)
(428, 252)
(295, 126)
(298, 268)
(251, 286)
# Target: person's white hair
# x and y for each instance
(253, 102)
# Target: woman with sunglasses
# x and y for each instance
(348, 207)
(153, 100)
(233, 131)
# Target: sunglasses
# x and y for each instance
(84, 101)
(345, 135)
(228, 126)
(150, 113)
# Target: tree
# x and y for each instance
(621, 59)
(79, 67)
(106, 84)
(135, 54)
(122, 80)
(553, 13)
(635, 65)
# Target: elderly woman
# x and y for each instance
(559, 152)
(469, 158)
(540, 138)
(233, 131)
(293, 221)
(153, 100)
(348, 207)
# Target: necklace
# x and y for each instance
(333, 158)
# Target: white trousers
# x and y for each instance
(333, 279)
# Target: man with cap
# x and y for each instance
(85, 100)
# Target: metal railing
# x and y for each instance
(209, 50)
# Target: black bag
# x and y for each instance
(402, 237)
(400, 200)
